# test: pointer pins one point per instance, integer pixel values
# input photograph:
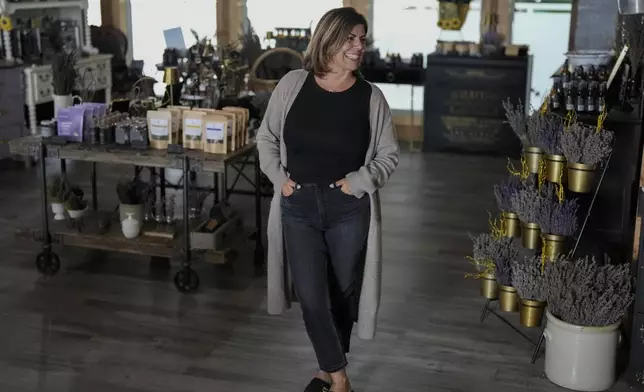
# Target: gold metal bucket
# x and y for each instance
(489, 287)
(531, 236)
(511, 225)
(531, 312)
(556, 168)
(555, 245)
(580, 177)
(508, 299)
(533, 157)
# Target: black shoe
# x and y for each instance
(317, 385)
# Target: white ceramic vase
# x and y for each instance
(76, 214)
(62, 101)
(59, 211)
(130, 227)
(581, 358)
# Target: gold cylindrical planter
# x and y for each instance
(531, 236)
(531, 312)
(533, 157)
(555, 166)
(511, 224)
(508, 299)
(580, 177)
(489, 287)
(555, 245)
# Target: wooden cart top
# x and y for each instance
(198, 160)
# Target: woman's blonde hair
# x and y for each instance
(330, 35)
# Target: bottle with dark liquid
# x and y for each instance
(566, 81)
(556, 94)
(593, 87)
(581, 90)
(601, 97)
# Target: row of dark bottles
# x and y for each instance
(582, 91)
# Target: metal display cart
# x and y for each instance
(179, 246)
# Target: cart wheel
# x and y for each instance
(48, 263)
(186, 280)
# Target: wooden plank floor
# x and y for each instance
(116, 324)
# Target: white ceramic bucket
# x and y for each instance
(580, 358)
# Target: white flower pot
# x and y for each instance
(59, 211)
(580, 358)
(130, 227)
(76, 214)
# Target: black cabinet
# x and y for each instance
(462, 105)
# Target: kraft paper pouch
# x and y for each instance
(215, 133)
(70, 123)
(231, 128)
(193, 129)
(159, 128)
(242, 126)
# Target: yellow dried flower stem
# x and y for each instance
(571, 118)
(542, 173)
(511, 168)
(525, 170)
(543, 252)
(487, 265)
(600, 120)
(496, 228)
(560, 189)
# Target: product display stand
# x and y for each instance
(101, 230)
(539, 342)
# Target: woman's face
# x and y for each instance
(350, 55)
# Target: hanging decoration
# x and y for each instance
(452, 14)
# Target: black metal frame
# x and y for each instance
(486, 307)
(186, 279)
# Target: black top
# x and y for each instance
(327, 134)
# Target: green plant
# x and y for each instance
(58, 189)
(75, 199)
(133, 191)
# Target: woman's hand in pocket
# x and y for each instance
(288, 188)
(344, 186)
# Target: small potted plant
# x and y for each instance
(76, 205)
(525, 127)
(489, 250)
(584, 149)
(586, 304)
(133, 195)
(505, 253)
(529, 280)
(57, 192)
(503, 193)
(527, 204)
(557, 221)
(63, 69)
(549, 139)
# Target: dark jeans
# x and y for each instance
(325, 234)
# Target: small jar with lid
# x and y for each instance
(48, 128)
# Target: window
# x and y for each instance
(409, 27)
(151, 17)
(94, 13)
(266, 15)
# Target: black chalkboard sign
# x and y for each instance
(595, 28)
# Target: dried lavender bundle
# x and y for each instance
(504, 191)
(534, 127)
(558, 218)
(528, 279)
(503, 254)
(482, 249)
(548, 139)
(504, 271)
(583, 144)
(527, 203)
(516, 118)
(583, 293)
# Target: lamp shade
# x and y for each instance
(171, 75)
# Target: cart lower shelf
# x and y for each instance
(102, 231)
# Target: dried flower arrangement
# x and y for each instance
(133, 191)
(75, 199)
(549, 137)
(534, 127)
(526, 202)
(58, 189)
(558, 218)
(516, 118)
(504, 191)
(583, 144)
(528, 279)
(63, 70)
(582, 293)
(491, 254)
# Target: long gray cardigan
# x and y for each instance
(380, 162)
